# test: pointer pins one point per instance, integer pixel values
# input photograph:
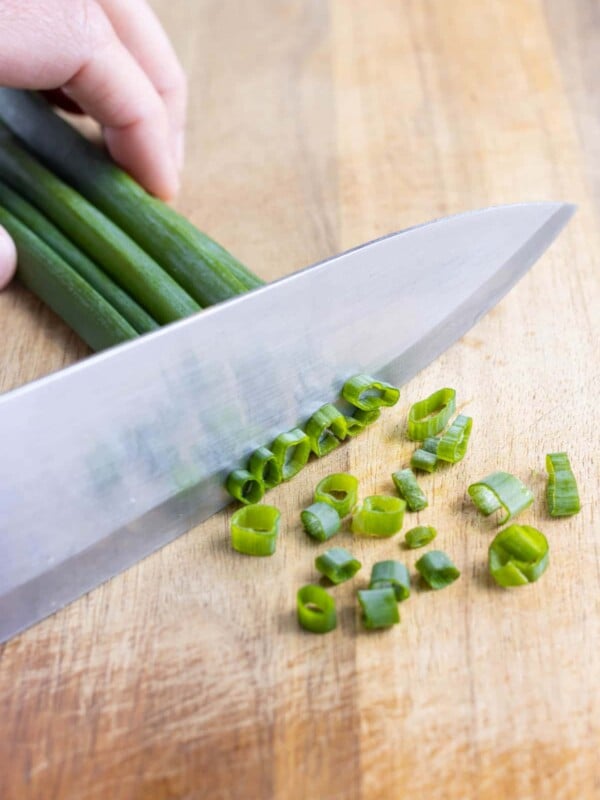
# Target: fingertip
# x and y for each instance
(8, 258)
(150, 162)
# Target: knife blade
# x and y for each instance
(108, 460)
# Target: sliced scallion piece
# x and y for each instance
(431, 444)
(452, 445)
(518, 555)
(337, 564)
(339, 490)
(391, 573)
(321, 521)
(436, 569)
(325, 429)
(419, 536)
(429, 416)
(368, 393)
(423, 460)
(316, 609)
(500, 490)
(361, 419)
(562, 494)
(380, 515)
(254, 530)
(265, 467)
(379, 607)
(292, 450)
(244, 486)
(409, 490)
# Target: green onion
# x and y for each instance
(321, 521)
(379, 607)
(337, 564)
(409, 490)
(49, 277)
(452, 446)
(202, 267)
(500, 490)
(562, 495)
(130, 266)
(316, 609)
(37, 223)
(423, 460)
(379, 515)
(360, 419)
(291, 450)
(429, 416)
(325, 429)
(244, 486)
(265, 467)
(419, 536)
(368, 393)
(436, 569)
(518, 555)
(339, 490)
(391, 573)
(254, 530)
(431, 444)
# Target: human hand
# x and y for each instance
(114, 60)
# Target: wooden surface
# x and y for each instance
(315, 126)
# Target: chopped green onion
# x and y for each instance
(360, 419)
(452, 446)
(254, 530)
(244, 486)
(292, 450)
(337, 564)
(316, 609)
(369, 394)
(436, 569)
(325, 429)
(429, 416)
(265, 467)
(431, 444)
(321, 521)
(391, 573)
(409, 490)
(500, 490)
(379, 607)
(379, 515)
(419, 536)
(518, 555)
(339, 490)
(562, 495)
(423, 460)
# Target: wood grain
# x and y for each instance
(315, 126)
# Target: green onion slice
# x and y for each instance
(265, 467)
(452, 446)
(360, 419)
(339, 490)
(316, 609)
(500, 490)
(291, 450)
(436, 569)
(409, 490)
(244, 486)
(321, 521)
(423, 460)
(391, 573)
(518, 555)
(380, 515)
(562, 495)
(419, 536)
(337, 564)
(325, 429)
(429, 416)
(379, 607)
(369, 394)
(254, 530)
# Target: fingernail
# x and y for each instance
(180, 150)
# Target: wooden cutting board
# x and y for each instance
(315, 126)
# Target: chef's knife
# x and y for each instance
(104, 462)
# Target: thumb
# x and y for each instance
(8, 258)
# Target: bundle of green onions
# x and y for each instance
(109, 259)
